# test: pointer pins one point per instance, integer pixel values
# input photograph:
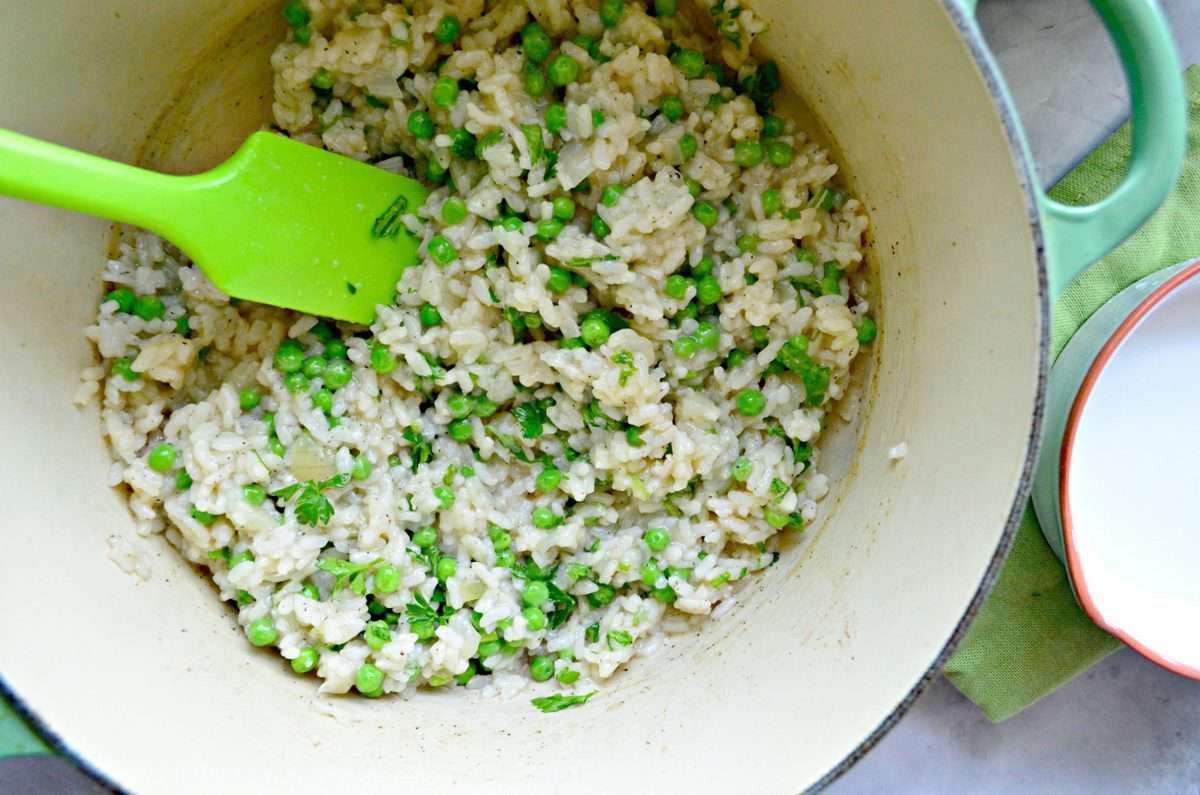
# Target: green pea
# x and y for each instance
(162, 457)
(868, 330)
(548, 229)
(747, 244)
(556, 117)
(748, 153)
(420, 124)
(780, 154)
(708, 290)
(377, 635)
(535, 619)
(559, 281)
(149, 307)
(535, 81)
(238, 558)
(313, 367)
(676, 286)
(446, 568)
(448, 29)
(666, 594)
(430, 316)
(512, 223)
(383, 361)
(536, 42)
(386, 579)
(336, 349)
(535, 593)
(687, 147)
(594, 330)
(289, 358)
(564, 208)
(125, 299)
(444, 496)
(665, 8)
(578, 571)
(322, 80)
(694, 188)
(671, 107)
(750, 402)
(772, 200)
(484, 407)
(541, 668)
(306, 660)
(296, 14)
(462, 144)
(611, 195)
(544, 518)
(603, 595)
(361, 468)
(262, 632)
(296, 382)
(650, 573)
(442, 251)
(254, 494)
(311, 591)
(600, 228)
(563, 70)
(773, 127)
(548, 480)
(690, 62)
(459, 405)
(454, 211)
(736, 357)
(501, 538)
(705, 213)
(611, 12)
(369, 680)
(445, 92)
(707, 336)
(741, 469)
(597, 119)
(633, 436)
(249, 399)
(685, 347)
(460, 430)
(591, 44)
(323, 399)
(425, 537)
(657, 539)
(183, 481)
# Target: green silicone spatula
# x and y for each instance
(279, 223)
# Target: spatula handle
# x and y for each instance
(45, 173)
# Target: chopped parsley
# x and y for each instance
(532, 416)
(625, 359)
(344, 572)
(388, 224)
(558, 702)
(422, 448)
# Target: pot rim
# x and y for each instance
(1026, 174)
(1070, 550)
(973, 39)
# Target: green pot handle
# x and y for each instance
(1075, 237)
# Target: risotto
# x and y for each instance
(592, 410)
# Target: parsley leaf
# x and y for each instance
(532, 416)
(312, 507)
(564, 606)
(344, 571)
(510, 444)
(422, 448)
(625, 359)
(558, 702)
(388, 224)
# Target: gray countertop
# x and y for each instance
(1126, 726)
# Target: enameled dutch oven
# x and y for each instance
(147, 683)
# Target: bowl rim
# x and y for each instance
(1025, 171)
(1075, 567)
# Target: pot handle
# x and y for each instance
(1075, 237)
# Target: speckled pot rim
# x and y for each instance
(1026, 175)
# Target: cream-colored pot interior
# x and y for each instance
(150, 683)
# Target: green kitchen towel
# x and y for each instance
(1031, 636)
